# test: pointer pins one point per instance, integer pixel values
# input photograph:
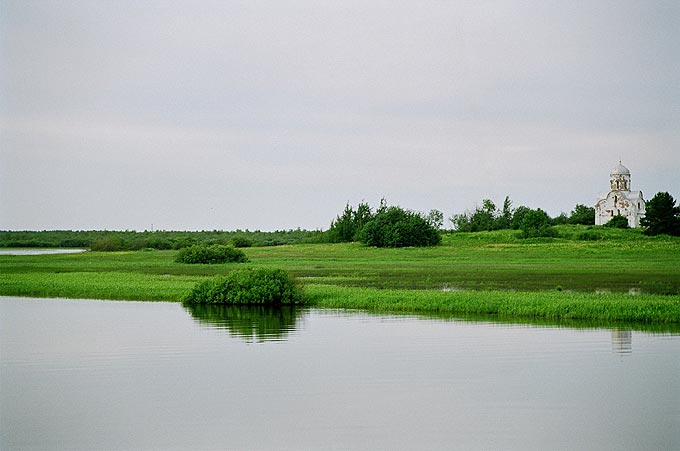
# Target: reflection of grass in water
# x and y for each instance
(653, 328)
(259, 323)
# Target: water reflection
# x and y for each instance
(252, 323)
(579, 324)
(622, 341)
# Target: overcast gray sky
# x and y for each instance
(193, 115)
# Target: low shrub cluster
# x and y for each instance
(389, 226)
(396, 227)
(536, 224)
(255, 286)
(217, 253)
(588, 235)
(617, 222)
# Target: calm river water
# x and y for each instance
(103, 375)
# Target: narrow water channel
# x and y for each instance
(102, 375)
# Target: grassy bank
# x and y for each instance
(479, 273)
(530, 305)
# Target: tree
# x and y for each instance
(396, 227)
(504, 220)
(518, 216)
(662, 216)
(361, 217)
(582, 215)
(346, 226)
(536, 223)
(342, 228)
(485, 218)
(560, 219)
(436, 219)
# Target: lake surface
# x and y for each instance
(40, 251)
(104, 375)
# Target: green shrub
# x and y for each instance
(396, 227)
(617, 222)
(588, 235)
(582, 215)
(74, 242)
(108, 244)
(536, 224)
(247, 286)
(240, 241)
(216, 253)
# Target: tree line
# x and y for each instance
(111, 240)
(662, 217)
(531, 222)
(386, 226)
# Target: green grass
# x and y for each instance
(94, 285)
(471, 273)
(530, 305)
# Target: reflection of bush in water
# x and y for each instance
(260, 322)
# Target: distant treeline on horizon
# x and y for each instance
(107, 240)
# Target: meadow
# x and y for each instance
(588, 273)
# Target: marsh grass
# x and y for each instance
(531, 305)
(493, 273)
(96, 285)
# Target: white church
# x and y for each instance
(620, 200)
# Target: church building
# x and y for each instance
(620, 200)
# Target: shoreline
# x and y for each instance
(492, 305)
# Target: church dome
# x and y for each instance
(620, 170)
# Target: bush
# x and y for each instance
(74, 242)
(617, 222)
(582, 215)
(242, 242)
(535, 224)
(487, 217)
(261, 286)
(210, 254)
(588, 235)
(108, 244)
(396, 227)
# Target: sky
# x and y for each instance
(273, 115)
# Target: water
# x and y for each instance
(102, 375)
(40, 251)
